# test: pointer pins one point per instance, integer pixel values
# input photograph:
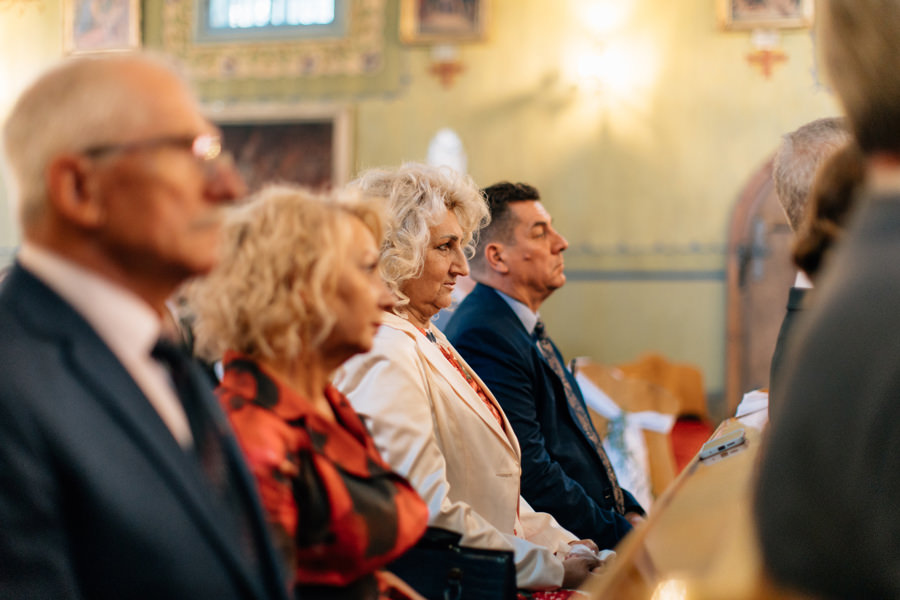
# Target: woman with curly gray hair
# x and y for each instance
(431, 416)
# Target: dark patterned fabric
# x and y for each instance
(578, 408)
(207, 438)
(338, 512)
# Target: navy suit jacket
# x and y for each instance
(97, 499)
(561, 472)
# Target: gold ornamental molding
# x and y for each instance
(18, 7)
(360, 52)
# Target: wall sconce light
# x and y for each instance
(445, 64)
(443, 25)
(606, 68)
(766, 53)
(620, 69)
(609, 57)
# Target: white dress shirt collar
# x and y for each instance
(125, 323)
(122, 320)
(803, 281)
(528, 318)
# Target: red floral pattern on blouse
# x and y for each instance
(335, 505)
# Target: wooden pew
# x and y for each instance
(699, 542)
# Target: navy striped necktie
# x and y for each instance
(578, 409)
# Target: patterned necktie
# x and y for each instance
(578, 409)
(209, 446)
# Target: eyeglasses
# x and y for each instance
(206, 148)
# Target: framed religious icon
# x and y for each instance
(101, 25)
(765, 14)
(442, 21)
(305, 144)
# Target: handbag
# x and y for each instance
(440, 569)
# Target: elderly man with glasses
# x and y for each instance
(119, 477)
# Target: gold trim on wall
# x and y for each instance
(360, 52)
(19, 7)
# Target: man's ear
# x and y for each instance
(70, 193)
(495, 257)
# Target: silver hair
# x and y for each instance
(78, 103)
(418, 197)
(798, 158)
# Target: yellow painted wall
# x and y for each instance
(30, 39)
(640, 176)
(641, 180)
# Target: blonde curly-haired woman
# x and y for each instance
(298, 291)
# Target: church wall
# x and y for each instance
(640, 167)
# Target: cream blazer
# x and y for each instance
(432, 427)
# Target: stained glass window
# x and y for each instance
(232, 20)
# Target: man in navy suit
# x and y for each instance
(119, 477)
(518, 263)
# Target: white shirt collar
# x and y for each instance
(882, 179)
(125, 323)
(803, 281)
(122, 320)
(528, 318)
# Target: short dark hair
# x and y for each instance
(499, 196)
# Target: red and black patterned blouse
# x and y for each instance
(338, 511)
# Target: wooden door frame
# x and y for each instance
(758, 188)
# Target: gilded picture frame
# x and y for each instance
(101, 25)
(308, 144)
(443, 21)
(765, 14)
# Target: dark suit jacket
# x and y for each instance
(561, 472)
(97, 499)
(829, 481)
(794, 306)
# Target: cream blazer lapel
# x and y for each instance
(445, 374)
(469, 479)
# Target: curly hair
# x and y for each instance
(269, 296)
(832, 197)
(418, 197)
